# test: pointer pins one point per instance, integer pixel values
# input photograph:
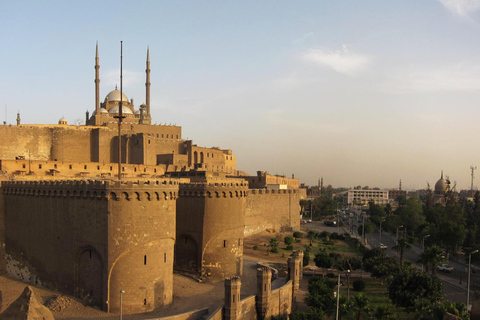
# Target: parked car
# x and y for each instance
(445, 268)
(382, 246)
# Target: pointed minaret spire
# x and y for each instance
(97, 83)
(147, 84)
(442, 175)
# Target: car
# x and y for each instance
(309, 221)
(382, 246)
(445, 268)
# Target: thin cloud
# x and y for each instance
(342, 61)
(303, 38)
(458, 78)
(461, 7)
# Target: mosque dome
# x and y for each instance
(442, 185)
(137, 112)
(115, 96)
(116, 110)
(62, 121)
(102, 111)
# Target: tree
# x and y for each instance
(369, 228)
(410, 285)
(311, 235)
(297, 235)
(401, 245)
(323, 260)
(320, 293)
(289, 240)
(431, 257)
(361, 304)
(383, 312)
(273, 245)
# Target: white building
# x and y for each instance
(363, 197)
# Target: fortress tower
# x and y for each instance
(232, 298)
(264, 291)
(294, 271)
(112, 236)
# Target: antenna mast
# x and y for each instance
(472, 168)
(120, 116)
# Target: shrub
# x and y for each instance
(289, 247)
(359, 285)
(288, 240)
(297, 235)
(255, 247)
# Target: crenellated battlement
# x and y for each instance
(94, 189)
(214, 190)
(233, 281)
(272, 191)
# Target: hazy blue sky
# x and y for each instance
(359, 92)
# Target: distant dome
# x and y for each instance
(442, 185)
(116, 110)
(102, 111)
(62, 121)
(137, 111)
(115, 96)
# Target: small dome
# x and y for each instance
(442, 185)
(115, 96)
(62, 121)
(116, 110)
(137, 112)
(102, 111)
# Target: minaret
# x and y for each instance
(400, 185)
(97, 85)
(18, 118)
(147, 84)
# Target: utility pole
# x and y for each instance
(472, 168)
(120, 116)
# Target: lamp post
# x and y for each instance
(423, 246)
(381, 229)
(338, 294)
(468, 285)
(396, 239)
(121, 314)
(338, 220)
(348, 283)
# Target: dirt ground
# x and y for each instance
(188, 294)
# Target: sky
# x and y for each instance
(357, 92)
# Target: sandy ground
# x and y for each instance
(188, 294)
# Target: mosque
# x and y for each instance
(126, 210)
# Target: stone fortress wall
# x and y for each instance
(93, 239)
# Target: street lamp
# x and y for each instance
(396, 240)
(468, 285)
(338, 294)
(121, 293)
(348, 283)
(381, 229)
(423, 246)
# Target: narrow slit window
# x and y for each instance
(224, 243)
(164, 257)
(145, 259)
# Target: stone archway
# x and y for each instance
(89, 277)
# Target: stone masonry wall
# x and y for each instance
(272, 209)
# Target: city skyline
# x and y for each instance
(357, 93)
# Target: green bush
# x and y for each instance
(255, 247)
(289, 247)
(306, 258)
(274, 250)
(297, 235)
(289, 240)
(359, 285)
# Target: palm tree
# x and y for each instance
(383, 312)
(361, 304)
(431, 257)
(401, 245)
(311, 236)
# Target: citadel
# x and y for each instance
(90, 212)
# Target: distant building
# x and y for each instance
(363, 197)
